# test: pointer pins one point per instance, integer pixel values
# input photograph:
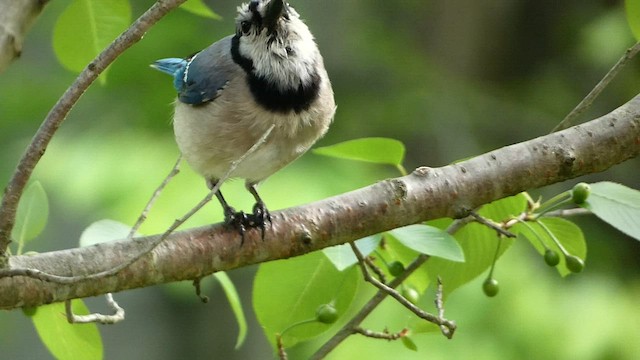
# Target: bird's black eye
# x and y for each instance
(245, 26)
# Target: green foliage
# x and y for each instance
(31, 216)
(375, 150)
(616, 204)
(341, 256)
(421, 238)
(557, 234)
(408, 343)
(478, 244)
(199, 8)
(64, 340)
(236, 305)
(104, 231)
(289, 292)
(632, 8)
(85, 28)
(429, 240)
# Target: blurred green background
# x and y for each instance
(450, 79)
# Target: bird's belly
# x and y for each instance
(212, 138)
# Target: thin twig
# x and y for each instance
(282, 354)
(117, 316)
(448, 327)
(568, 212)
(439, 302)
(495, 226)
(356, 320)
(385, 335)
(593, 94)
(37, 274)
(196, 285)
(156, 194)
(375, 269)
(58, 113)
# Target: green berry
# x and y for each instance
(327, 314)
(551, 257)
(574, 264)
(490, 287)
(396, 268)
(410, 294)
(580, 193)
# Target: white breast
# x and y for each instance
(213, 135)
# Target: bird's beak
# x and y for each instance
(275, 10)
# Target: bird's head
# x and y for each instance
(273, 43)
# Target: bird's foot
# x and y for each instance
(240, 221)
(236, 220)
(260, 217)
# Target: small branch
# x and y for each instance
(569, 212)
(58, 113)
(375, 269)
(347, 329)
(282, 354)
(439, 302)
(448, 327)
(385, 335)
(196, 285)
(495, 226)
(593, 94)
(156, 194)
(117, 317)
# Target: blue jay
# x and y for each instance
(270, 73)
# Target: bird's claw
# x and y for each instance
(236, 220)
(260, 217)
(240, 221)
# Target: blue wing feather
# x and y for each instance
(201, 77)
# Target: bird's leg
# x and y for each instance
(236, 220)
(260, 213)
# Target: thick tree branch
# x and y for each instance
(427, 193)
(16, 17)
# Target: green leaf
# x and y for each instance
(85, 28)
(199, 8)
(104, 231)
(408, 343)
(31, 216)
(236, 305)
(429, 240)
(64, 340)
(375, 150)
(286, 292)
(478, 244)
(617, 205)
(632, 8)
(567, 233)
(341, 256)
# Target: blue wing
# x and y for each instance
(202, 77)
